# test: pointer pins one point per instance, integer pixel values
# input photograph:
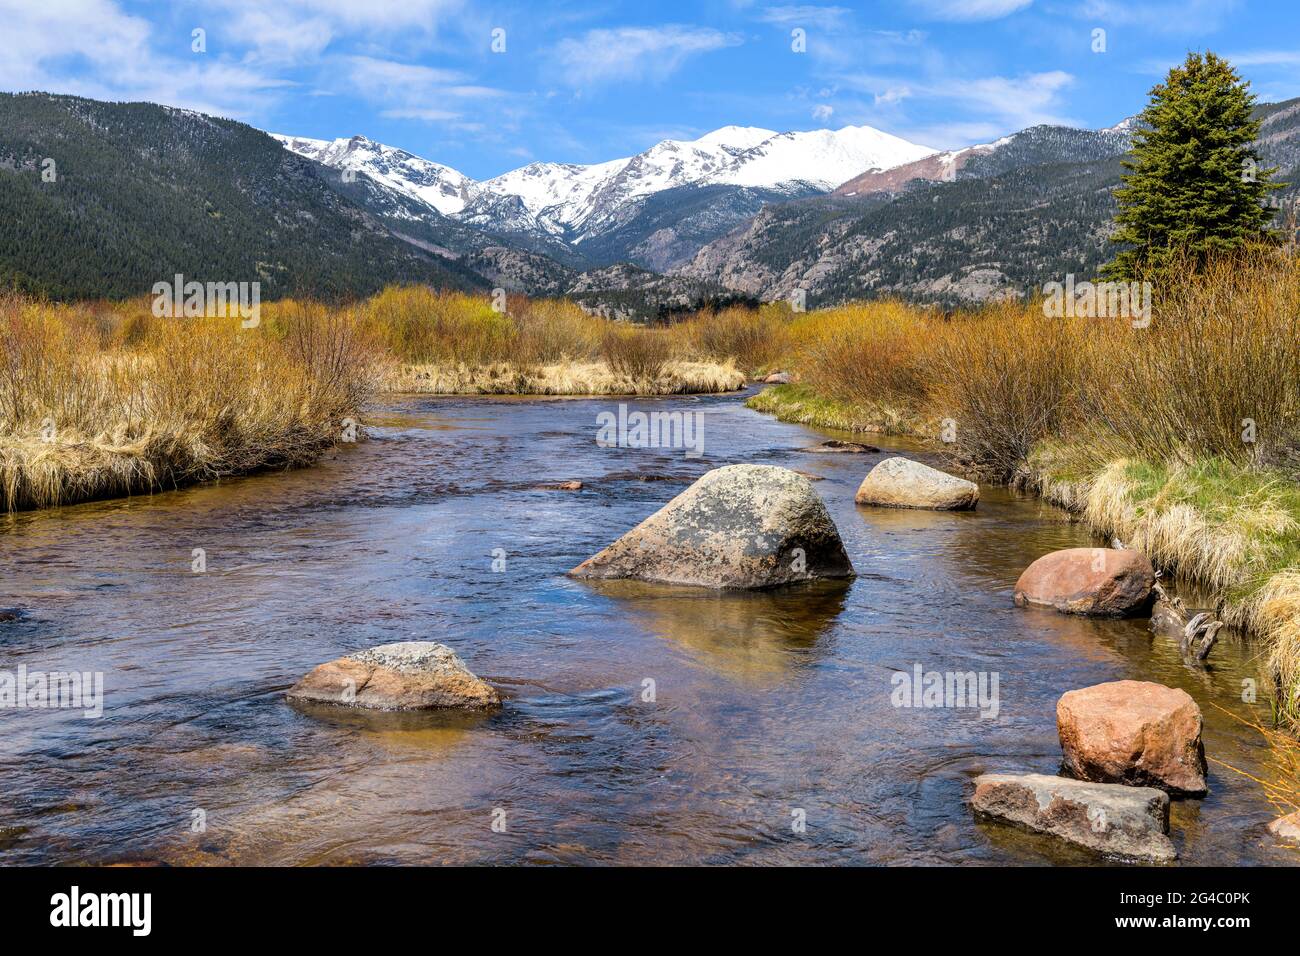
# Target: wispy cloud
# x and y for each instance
(625, 54)
(1168, 17)
(805, 15)
(406, 90)
(968, 10)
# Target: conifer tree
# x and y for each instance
(1195, 186)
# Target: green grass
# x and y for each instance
(803, 406)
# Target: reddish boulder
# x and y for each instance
(1101, 582)
(1133, 732)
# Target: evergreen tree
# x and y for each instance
(1196, 186)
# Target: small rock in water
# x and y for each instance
(1100, 582)
(839, 447)
(408, 675)
(10, 613)
(809, 475)
(1133, 732)
(742, 526)
(561, 486)
(903, 483)
(1128, 822)
(1287, 827)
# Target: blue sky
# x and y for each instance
(594, 81)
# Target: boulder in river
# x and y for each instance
(408, 675)
(1133, 732)
(1127, 822)
(741, 526)
(1100, 582)
(903, 483)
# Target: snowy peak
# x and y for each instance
(443, 188)
(823, 158)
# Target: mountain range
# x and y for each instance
(739, 214)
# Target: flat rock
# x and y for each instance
(741, 526)
(1099, 582)
(1287, 827)
(1133, 732)
(903, 483)
(837, 446)
(1127, 822)
(409, 675)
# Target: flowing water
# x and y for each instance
(764, 705)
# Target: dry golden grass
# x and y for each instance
(85, 415)
(673, 377)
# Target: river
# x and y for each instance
(770, 738)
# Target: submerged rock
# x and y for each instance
(839, 447)
(1100, 582)
(1133, 732)
(408, 675)
(903, 483)
(560, 486)
(742, 526)
(11, 613)
(1128, 822)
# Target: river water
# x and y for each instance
(767, 709)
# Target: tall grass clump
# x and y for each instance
(96, 402)
(755, 339)
(1003, 380)
(1215, 375)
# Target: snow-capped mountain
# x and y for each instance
(434, 184)
(576, 199)
(578, 202)
(821, 158)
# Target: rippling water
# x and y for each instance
(764, 703)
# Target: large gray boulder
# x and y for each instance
(742, 526)
(408, 675)
(1127, 822)
(903, 483)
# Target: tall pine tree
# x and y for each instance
(1195, 187)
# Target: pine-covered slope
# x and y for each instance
(143, 192)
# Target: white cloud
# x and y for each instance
(965, 10)
(633, 53)
(93, 48)
(413, 91)
(822, 112)
(824, 18)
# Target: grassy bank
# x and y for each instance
(105, 399)
(1181, 436)
(98, 401)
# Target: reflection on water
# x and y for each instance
(749, 637)
(763, 704)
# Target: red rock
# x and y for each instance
(1133, 732)
(1101, 582)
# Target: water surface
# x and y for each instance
(764, 704)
